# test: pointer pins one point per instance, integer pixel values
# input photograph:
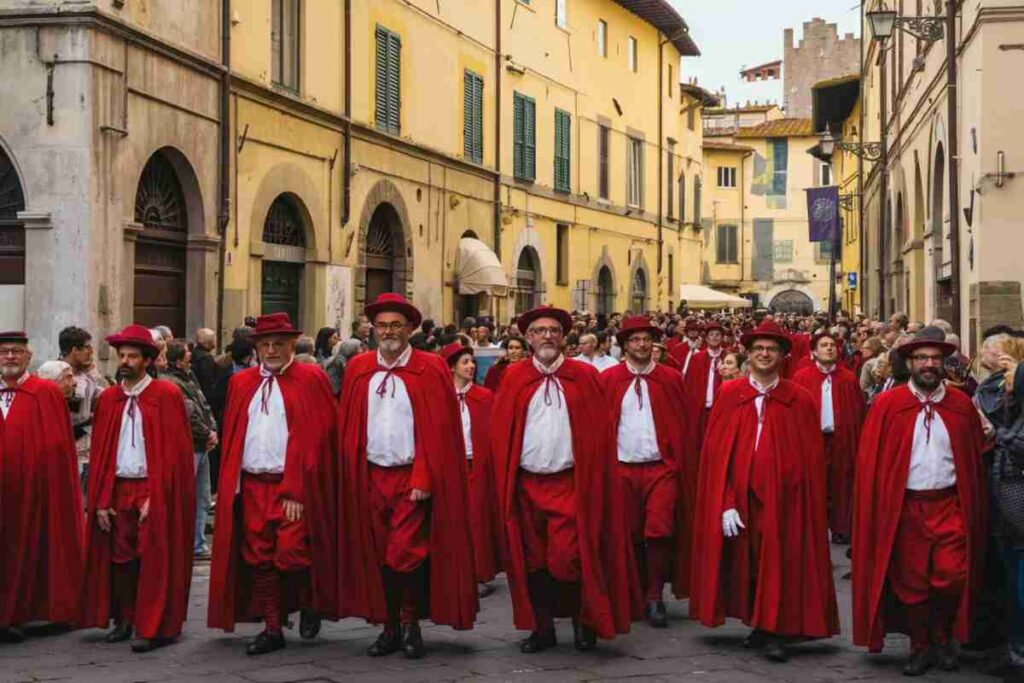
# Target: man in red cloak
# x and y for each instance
(274, 542)
(140, 526)
(919, 513)
(702, 379)
(568, 553)
(657, 463)
(475, 405)
(405, 549)
(40, 498)
(684, 353)
(761, 550)
(840, 403)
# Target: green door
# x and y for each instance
(281, 286)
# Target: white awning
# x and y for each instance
(699, 296)
(478, 269)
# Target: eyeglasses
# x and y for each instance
(389, 327)
(926, 359)
(764, 349)
(640, 339)
(545, 331)
(15, 351)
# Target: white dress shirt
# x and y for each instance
(390, 432)
(547, 436)
(828, 415)
(266, 438)
(467, 424)
(709, 392)
(637, 440)
(931, 455)
(8, 395)
(131, 442)
(600, 362)
(762, 392)
(690, 352)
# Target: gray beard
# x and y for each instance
(390, 345)
(547, 354)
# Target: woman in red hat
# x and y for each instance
(140, 527)
(475, 405)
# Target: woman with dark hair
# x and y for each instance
(733, 366)
(515, 350)
(323, 347)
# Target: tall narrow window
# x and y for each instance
(670, 179)
(698, 219)
(634, 172)
(524, 137)
(670, 70)
(726, 244)
(603, 135)
(473, 117)
(560, 19)
(389, 79)
(633, 54)
(562, 147)
(825, 177)
(284, 43)
(780, 161)
(602, 37)
(691, 117)
(562, 254)
(682, 198)
(671, 274)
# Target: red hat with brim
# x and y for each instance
(13, 336)
(274, 324)
(947, 349)
(768, 329)
(134, 335)
(451, 353)
(692, 324)
(712, 326)
(394, 303)
(634, 324)
(563, 317)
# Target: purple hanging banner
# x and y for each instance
(823, 213)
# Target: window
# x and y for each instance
(560, 20)
(727, 176)
(562, 145)
(780, 160)
(726, 244)
(284, 43)
(602, 37)
(634, 172)
(824, 175)
(668, 179)
(632, 54)
(524, 137)
(670, 80)
(671, 274)
(682, 198)
(782, 251)
(638, 303)
(823, 252)
(698, 219)
(562, 254)
(603, 135)
(389, 77)
(473, 117)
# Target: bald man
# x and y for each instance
(204, 366)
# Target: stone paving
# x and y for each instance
(684, 651)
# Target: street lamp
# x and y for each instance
(884, 22)
(869, 151)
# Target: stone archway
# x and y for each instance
(639, 284)
(528, 283)
(282, 268)
(385, 250)
(12, 246)
(791, 301)
(604, 279)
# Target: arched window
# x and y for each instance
(283, 224)
(605, 291)
(638, 302)
(282, 277)
(384, 262)
(791, 301)
(527, 280)
(12, 239)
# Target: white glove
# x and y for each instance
(731, 523)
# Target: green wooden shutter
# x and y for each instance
(518, 134)
(473, 114)
(381, 72)
(562, 150)
(467, 115)
(394, 83)
(529, 139)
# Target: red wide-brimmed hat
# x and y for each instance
(395, 303)
(451, 353)
(634, 324)
(15, 336)
(563, 317)
(134, 335)
(274, 323)
(929, 336)
(693, 324)
(713, 325)
(768, 329)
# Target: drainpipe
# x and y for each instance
(883, 196)
(225, 156)
(954, 158)
(661, 135)
(346, 175)
(495, 304)
(861, 234)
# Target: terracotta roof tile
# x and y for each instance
(779, 128)
(719, 146)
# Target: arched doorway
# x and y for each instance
(160, 251)
(605, 292)
(284, 233)
(527, 280)
(638, 298)
(791, 301)
(385, 253)
(12, 247)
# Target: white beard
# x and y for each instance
(547, 354)
(390, 345)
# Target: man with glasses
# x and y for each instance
(568, 554)
(761, 550)
(703, 379)
(41, 512)
(919, 513)
(404, 543)
(657, 465)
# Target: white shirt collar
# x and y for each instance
(646, 370)
(827, 370)
(715, 354)
(764, 388)
(936, 396)
(550, 370)
(400, 362)
(138, 388)
(465, 389)
(264, 372)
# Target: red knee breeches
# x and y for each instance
(401, 528)
(268, 539)
(547, 505)
(129, 496)
(650, 494)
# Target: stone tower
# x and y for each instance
(821, 55)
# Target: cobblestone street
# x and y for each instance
(684, 651)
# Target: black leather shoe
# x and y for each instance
(919, 663)
(538, 642)
(755, 640)
(148, 644)
(120, 633)
(412, 642)
(11, 635)
(584, 637)
(656, 615)
(775, 650)
(264, 643)
(947, 656)
(309, 624)
(387, 642)
(484, 589)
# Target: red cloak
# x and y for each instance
(848, 408)
(679, 353)
(677, 443)
(492, 380)
(696, 384)
(309, 478)
(439, 466)
(484, 520)
(795, 594)
(883, 463)
(799, 354)
(166, 573)
(610, 594)
(41, 525)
